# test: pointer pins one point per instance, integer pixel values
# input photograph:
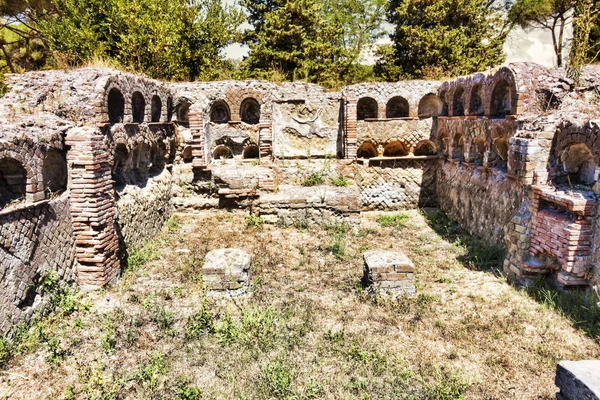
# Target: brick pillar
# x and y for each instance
(93, 207)
(196, 122)
(265, 138)
(350, 132)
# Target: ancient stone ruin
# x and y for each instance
(94, 161)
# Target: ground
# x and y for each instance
(309, 330)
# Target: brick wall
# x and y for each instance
(34, 240)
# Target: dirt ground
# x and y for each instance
(309, 330)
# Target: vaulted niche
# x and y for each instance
(366, 150)
(138, 107)
(430, 106)
(366, 108)
(220, 113)
(222, 152)
(501, 105)
(458, 102)
(395, 149)
(476, 102)
(156, 108)
(424, 148)
(251, 151)
(13, 179)
(116, 106)
(397, 107)
(578, 162)
(250, 111)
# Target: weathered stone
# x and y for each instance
(578, 380)
(389, 274)
(227, 272)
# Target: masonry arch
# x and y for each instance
(430, 106)
(250, 111)
(366, 150)
(476, 101)
(578, 161)
(478, 148)
(138, 107)
(251, 152)
(458, 102)
(187, 154)
(397, 107)
(222, 152)
(219, 112)
(425, 148)
(395, 148)
(116, 106)
(156, 108)
(501, 101)
(366, 108)
(458, 147)
(13, 181)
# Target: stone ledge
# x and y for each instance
(578, 380)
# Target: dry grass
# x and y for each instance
(308, 331)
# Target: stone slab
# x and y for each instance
(579, 380)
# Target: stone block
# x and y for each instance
(227, 272)
(578, 380)
(389, 274)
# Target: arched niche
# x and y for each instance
(395, 148)
(222, 152)
(156, 108)
(183, 112)
(54, 171)
(251, 151)
(219, 112)
(397, 107)
(476, 102)
(13, 181)
(366, 108)
(425, 148)
(444, 111)
(478, 149)
(169, 109)
(116, 106)
(187, 154)
(458, 151)
(138, 107)
(250, 111)
(500, 157)
(430, 106)
(458, 102)
(578, 161)
(501, 103)
(366, 150)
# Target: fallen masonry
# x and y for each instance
(578, 380)
(389, 274)
(227, 272)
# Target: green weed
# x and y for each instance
(140, 256)
(314, 179)
(340, 181)
(254, 221)
(395, 220)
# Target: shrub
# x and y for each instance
(314, 179)
(254, 221)
(340, 181)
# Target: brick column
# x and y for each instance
(197, 129)
(350, 130)
(93, 207)
(265, 138)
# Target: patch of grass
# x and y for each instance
(277, 378)
(578, 307)
(447, 386)
(141, 256)
(394, 220)
(340, 181)
(314, 179)
(199, 324)
(186, 391)
(173, 224)
(254, 221)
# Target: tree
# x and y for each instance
(437, 38)
(551, 15)
(316, 41)
(585, 16)
(593, 44)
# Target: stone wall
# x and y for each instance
(143, 211)
(397, 184)
(36, 241)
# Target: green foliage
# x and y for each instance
(199, 324)
(140, 256)
(551, 15)
(277, 377)
(151, 372)
(173, 224)
(254, 221)
(170, 39)
(583, 310)
(314, 179)
(185, 391)
(340, 181)
(395, 220)
(310, 40)
(437, 38)
(448, 387)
